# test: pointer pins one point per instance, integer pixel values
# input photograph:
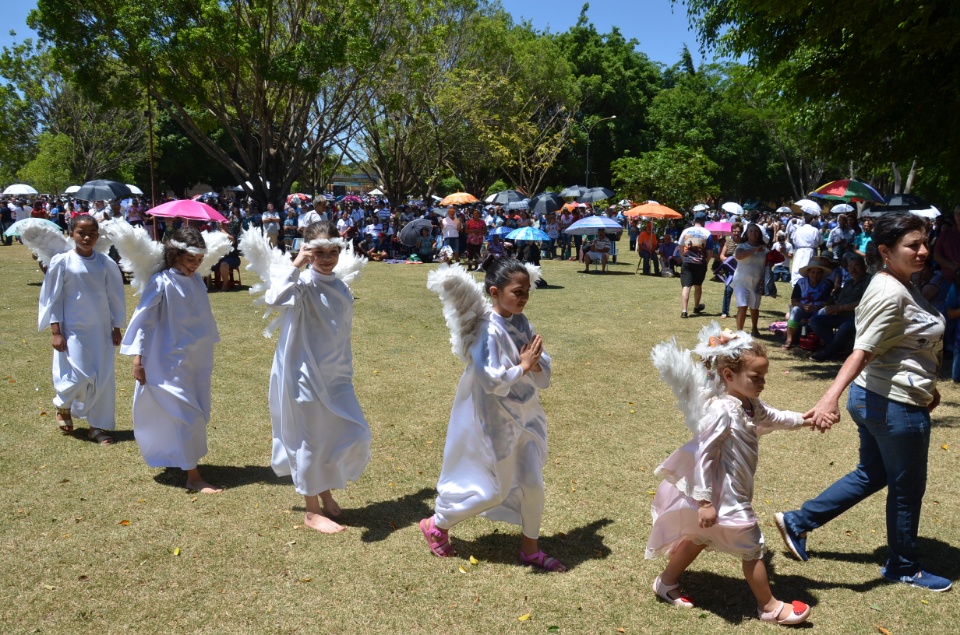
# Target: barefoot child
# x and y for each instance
(497, 436)
(82, 301)
(705, 498)
(320, 436)
(171, 337)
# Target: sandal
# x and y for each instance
(99, 436)
(542, 561)
(799, 612)
(437, 539)
(65, 420)
(663, 592)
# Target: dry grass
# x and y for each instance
(245, 564)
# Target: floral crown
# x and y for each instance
(715, 342)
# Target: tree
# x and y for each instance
(283, 78)
(882, 79)
(676, 177)
(17, 130)
(49, 171)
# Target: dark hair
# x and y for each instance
(319, 229)
(889, 229)
(189, 236)
(83, 218)
(501, 271)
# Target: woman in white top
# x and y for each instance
(892, 375)
(450, 227)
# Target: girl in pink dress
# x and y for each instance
(705, 498)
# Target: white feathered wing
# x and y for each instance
(260, 257)
(350, 265)
(140, 255)
(464, 306)
(43, 240)
(219, 244)
(690, 382)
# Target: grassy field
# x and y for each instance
(92, 540)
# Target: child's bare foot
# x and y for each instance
(321, 523)
(196, 483)
(64, 420)
(330, 507)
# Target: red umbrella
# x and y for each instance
(192, 210)
(302, 197)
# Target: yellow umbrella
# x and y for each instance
(459, 198)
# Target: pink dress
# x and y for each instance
(718, 465)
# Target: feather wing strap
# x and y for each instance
(140, 255)
(689, 381)
(464, 306)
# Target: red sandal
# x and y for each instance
(437, 539)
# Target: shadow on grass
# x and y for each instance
(594, 272)
(940, 557)
(573, 548)
(379, 520)
(226, 476)
(81, 431)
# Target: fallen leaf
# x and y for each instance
(924, 602)
(53, 588)
(621, 630)
(176, 551)
(125, 523)
(461, 569)
(305, 580)
(64, 480)
(875, 607)
(474, 561)
(633, 412)
(83, 578)
(944, 447)
(43, 414)
(524, 617)
(553, 629)
(883, 630)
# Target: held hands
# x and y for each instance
(823, 415)
(707, 514)
(530, 355)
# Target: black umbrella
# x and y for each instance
(102, 190)
(545, 203)
(576, 191)
(506, 197)
(906, 201)
(595, 194)
(410, 233)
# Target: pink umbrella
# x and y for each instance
(193, 210)
(719, 229)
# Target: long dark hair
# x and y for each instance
(501, 271)
(189, 236)
(889, 229)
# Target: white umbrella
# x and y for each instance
(591, 224)
(73, 189)
(702, 207)
(784, 210)
(375, 192)
(806, 206)
(136, 191)
(842, 208)
(931, 212)
(20, 189)
(732, 208)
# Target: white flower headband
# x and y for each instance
(196, 251)
(324, 242)
(716, 342)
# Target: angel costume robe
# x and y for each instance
(497, 436)
(173, 331)
(717, 465)
(320, 436)
(84, 295)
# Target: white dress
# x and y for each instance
(806, 239)
(173, 330)
(320, 436)
(84, 295)
(719, 466)
(497, 436)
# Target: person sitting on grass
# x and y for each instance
(835, 324)
(597, 249)
(810, 294)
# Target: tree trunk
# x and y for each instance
(910, 177)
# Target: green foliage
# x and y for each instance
(49, 171)
(880, 76)
(498, 186)
(677, 177)
(449, 185)
(17, 132)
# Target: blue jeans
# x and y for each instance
(727, 294)
(647, 256)
(894, 440)
(824, 324)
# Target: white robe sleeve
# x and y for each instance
(713, 432)
(283, 286)
(51, 294)
(768, 419)
(115, 295)
(495, 371)
(143, 322)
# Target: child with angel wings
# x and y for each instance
(320, 436)
(705, 499)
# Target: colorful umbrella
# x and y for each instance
(459, 198)
(189, 209)
(527, 233)
(303, 197)
(848, 190)
(719, 229)
(652, 209)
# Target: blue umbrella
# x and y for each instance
(591, 224)
(500, 231)
(527, 233)
(17, 227)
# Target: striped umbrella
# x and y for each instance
(848, 190)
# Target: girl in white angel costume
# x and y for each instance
(171, 337)
(320, 436)
(497, 436)
(82, 301)
(704, 501)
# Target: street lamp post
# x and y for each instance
(587, 129)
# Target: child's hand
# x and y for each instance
(303, 257)
(117, 338)
(530, 354)
(59, 343)
(708, 516)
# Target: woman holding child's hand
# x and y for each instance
(892, 375)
